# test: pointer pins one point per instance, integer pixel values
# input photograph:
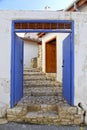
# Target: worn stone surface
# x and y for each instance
(39, 59)
(3, 121)
(3, 108)
(23, 126)
(43, 104)
(34, 62)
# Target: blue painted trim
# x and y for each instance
(73, 62)
(12, 98)
(72, 65)
(23, 66)
(42, 21)
(43, 30)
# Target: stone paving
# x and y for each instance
(18, 126)
(43, 102)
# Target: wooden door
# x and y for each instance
(51, 57)
(66, 69)
(17, 65)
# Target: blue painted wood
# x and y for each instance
(12, 101)
(72, 64)
(42, 21)
(18, 69)
(43, 30)
(12, 98)
(67, 68)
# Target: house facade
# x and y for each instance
(80, 50)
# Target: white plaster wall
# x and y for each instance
(30, 51)
(60, 38)
(80, 65)
(5, 53)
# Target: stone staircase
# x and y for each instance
(42, 102)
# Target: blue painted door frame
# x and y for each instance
(17, 71)
(12, 98)
(67, 91)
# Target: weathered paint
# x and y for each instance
(17, 70)
(80, 40)
(66, 69)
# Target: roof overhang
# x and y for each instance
(31, 40)
(79, 3)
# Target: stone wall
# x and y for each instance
(4, 96)
(39, 59)
(34, 62)
(30, 51)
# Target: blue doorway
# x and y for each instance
(17, 70)
(46, 26)
(67, 88)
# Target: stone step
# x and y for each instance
(57, 115)
(45, 91)
(33, 74)
(45, 88)
(43, 102)
(42, 107)
(40, 82)
(37, 77)
(3, 121)
(53, 117)
(41, 117)
(31, 70)
(40, 85)
(17, 113)
(32, 91)
(45, 114)
(49, 100)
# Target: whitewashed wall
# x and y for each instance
(30, 51)
(80, 64)
(5, 63)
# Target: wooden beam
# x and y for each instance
(42, 26)
(79, 4)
